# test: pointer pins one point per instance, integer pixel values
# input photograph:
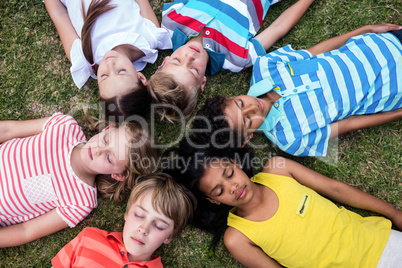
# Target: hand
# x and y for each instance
(383, 28)
(397, 219)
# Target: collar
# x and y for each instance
(216, 59)
(155, 262)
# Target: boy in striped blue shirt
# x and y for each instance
(301, 99)
(209, 36)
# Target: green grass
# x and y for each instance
(35, 82)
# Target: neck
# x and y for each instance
(270, 97)
(131, 52)
(78, 168)
(255, 201)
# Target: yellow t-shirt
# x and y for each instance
(309, 230)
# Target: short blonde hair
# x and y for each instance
(143, 158)
(165, 90)
(170, 198)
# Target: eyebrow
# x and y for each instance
(177, 64)
(223, 174)
(244, 120)
(162, 220)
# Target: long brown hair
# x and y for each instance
(143, 158)
(95, 9)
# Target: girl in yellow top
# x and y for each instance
(280, 218)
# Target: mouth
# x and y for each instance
(109, 57)
(242, 193)
(195, 49)
(90, 153)
(261, 106)
(138, 241)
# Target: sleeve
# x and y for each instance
(73, 214)
(67, 255)
(314, 143)
(58, 119)
(288, 54)
(80, 69)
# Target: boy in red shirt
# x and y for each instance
(157, 211)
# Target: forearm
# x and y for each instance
(61, 20)
(147, 12)
(338, 41)
(282, 25)
(363, 121)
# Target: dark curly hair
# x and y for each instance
(211, 128)
(208, 216)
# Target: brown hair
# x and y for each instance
(143, 159)
(176, 100)
(170, 198)
(136, 102)
(95, 9)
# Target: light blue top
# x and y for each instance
(362, 77)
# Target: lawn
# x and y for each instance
(35, 81)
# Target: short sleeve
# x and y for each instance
(58, 119)
(73, 214)
(314, 143)
(65, 257)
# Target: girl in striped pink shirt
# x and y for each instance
(48, 172)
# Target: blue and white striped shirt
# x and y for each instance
(229, 27)
(362, 77)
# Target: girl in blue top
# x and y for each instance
(301, 99)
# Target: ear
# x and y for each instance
(164, 61)
(213, 201)
(142, 78)
(204, 80)
(247, 140)
(118, 177)
(168, 240)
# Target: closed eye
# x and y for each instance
(122, 70)
(177, 60)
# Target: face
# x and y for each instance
(107, 152)
(188, 64)
(224, 182)
(117, 75)
(145, 229)
(245, 113)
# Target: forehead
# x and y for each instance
(213, 171)
(233, 115)
(181, 74)
(117, 86)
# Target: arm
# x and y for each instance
(333, 189)
(338, 41)
(282, 25)
(18, 234)
(19, 129)
(245, 252)
(59, 15)
(147, 12)
(363, 121)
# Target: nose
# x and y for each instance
(100, 150)
(190, 57)
(249, 109)
(234, 187)
(143, 229)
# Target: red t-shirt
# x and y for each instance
(97, 248)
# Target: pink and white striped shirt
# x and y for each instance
(36, 175)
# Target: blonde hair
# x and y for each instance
(143, 159)
(165, 90)
(170, 198)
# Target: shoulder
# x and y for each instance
(233, 238)
(60, 119)
(278, 165)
